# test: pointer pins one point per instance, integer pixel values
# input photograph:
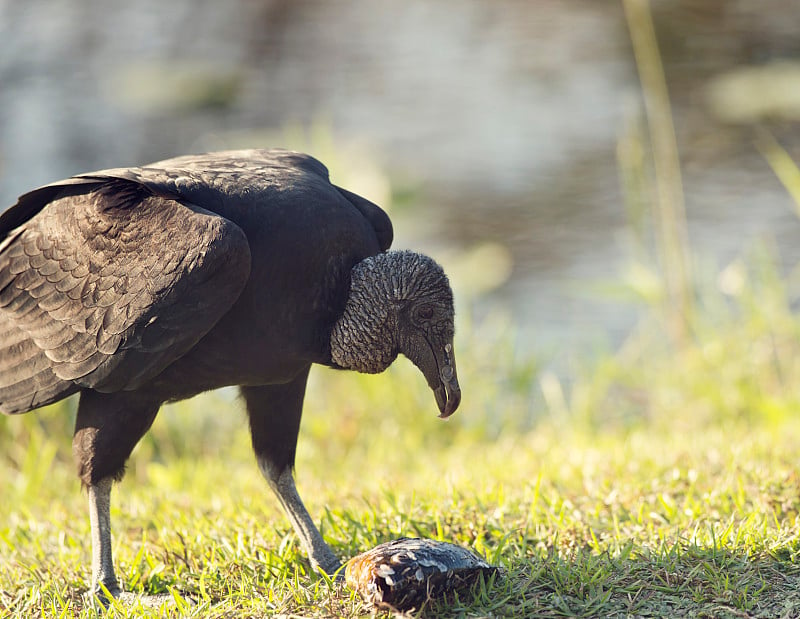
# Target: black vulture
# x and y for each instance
(138, 286)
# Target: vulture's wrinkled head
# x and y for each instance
(400, 302)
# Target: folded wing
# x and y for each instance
(105, 284)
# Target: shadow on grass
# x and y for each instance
(684, 580)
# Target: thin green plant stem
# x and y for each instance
(670, 209)
(781, 163)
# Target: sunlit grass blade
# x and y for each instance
(781, 163)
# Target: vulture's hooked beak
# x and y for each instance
(447, 393)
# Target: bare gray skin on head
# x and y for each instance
(366, 337)
(400, 302)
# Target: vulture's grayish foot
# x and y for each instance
(150, 601)
(328, 564)
(98, 596)
(128, 599)
(319, 553)
(322, 557)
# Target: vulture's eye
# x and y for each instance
(425, 312)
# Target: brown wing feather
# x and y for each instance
(25, 372)
(105, 289)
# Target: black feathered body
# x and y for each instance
(137, 286)
(179, 277)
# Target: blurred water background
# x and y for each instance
(491, 129)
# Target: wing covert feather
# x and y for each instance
(111, 286)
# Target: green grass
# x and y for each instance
(662, 482)
(657, 479)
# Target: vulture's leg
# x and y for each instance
(274, 412)
(107, 428)
(100, 519)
